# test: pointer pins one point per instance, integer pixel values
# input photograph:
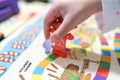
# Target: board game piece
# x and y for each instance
(59, 47)
(47, 45)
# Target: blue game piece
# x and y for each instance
(47, 45)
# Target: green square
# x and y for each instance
(51, 58)
(105, 65)
(117, 40)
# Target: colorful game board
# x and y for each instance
(92, 63)
(89, 55)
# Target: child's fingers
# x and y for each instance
(48, 20)
(62, 30)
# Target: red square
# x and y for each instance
(103, 72)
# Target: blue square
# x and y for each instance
(38, 70)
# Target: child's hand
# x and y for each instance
(71, 12)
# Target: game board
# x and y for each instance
(92, 63)
(94, 67)
(22, 56)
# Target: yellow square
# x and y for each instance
(118, 54)
(117, 44)
(36, 77)
(105, 48)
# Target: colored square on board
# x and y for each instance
(117, 37)
(104, 43)
(103, 39)
(117, 33)
(117, 40)
(38, 70)
(103, 72)
(44, 63)
(36, 77)
(117, 44)
(118, 60)
(106, 58)
(105, 48)
(99, 77)
(51, 58)
(104, 64)
(117, 49)
(106, 53)
(118, 54)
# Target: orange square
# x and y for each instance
(44, 63)
(105, 58)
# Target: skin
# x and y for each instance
(71, 13)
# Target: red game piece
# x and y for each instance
(59, 48)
